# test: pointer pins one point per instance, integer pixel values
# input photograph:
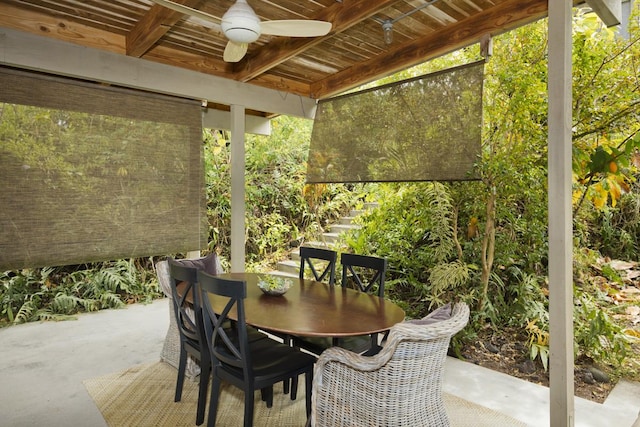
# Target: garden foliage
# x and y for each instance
(495, 253)
(57, 293)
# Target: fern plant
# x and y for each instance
(413, 229)
(61, 292)
(448, 277)
(22, 292)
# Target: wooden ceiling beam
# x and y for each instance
(50, 26)
(46, 54)
(218, 67)
(155, 23)
(342, 16)
(497, 20)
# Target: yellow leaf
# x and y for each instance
(632, 332)
(599, 201)
(599, 196)
(614, 191)
(577, 194)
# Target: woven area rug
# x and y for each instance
(143, 396)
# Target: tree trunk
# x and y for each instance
(488, 247)
(456, 241)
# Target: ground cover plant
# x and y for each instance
(58, 293)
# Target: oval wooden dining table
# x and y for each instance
(312, 308)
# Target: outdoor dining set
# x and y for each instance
(355, 348)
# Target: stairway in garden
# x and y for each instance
(291, 265)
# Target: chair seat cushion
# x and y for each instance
(209, 263)
(437, 315)
(271, 359)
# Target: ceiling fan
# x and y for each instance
(242, 26)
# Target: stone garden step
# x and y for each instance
(290, 267)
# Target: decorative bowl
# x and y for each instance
(273, 285)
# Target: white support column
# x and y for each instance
(237, 189)
(560, 216)
(193, 254)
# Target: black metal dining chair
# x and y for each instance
(321, 262)
(247, 365)
(322, 265)
(188, 312)
(363, 273)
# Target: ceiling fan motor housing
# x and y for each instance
(240, 23)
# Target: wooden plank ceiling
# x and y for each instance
(353, 53)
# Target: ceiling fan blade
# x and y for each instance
(188, 10)
(295, 28)
(234, 52)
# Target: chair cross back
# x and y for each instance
(364, 274)
(351, 274)
(225, 348)
(185, 280)
(308, 254)
(231, 351)
(188, 312)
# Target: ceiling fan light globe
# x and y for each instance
(241, 33)
(240, 23)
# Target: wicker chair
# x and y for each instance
(171, 349)
(400, 386)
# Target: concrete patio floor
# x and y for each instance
(42, 366)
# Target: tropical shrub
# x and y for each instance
(614, 231)
(412, 228)
(57, 293)
(500, 223)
